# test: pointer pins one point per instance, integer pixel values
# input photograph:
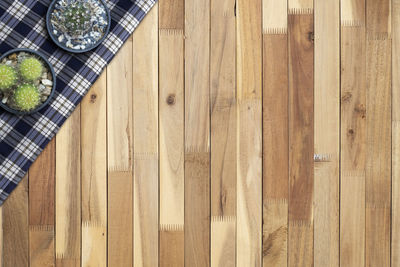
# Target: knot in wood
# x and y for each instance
(171, 99)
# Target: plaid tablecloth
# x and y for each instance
(22, 24)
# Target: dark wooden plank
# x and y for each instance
(301, 138)
(15, 227)
(41, 208)
(275, 149)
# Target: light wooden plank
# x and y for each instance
(145, 141)
(41, 208)
(300, 6)
(68, 193)
(352, 12)
(120, 158)
(15, 227)
(94, 174)
(171, 136)
(275, 133)
(395, 245)
(301, 139)
(223, 133)
(119, 110)
(326, 133)
(353, 139)
(275, 16)
(223, 230)
(249, 133)
(197, 133)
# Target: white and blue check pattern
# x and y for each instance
(22, 24)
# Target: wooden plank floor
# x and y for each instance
(227, 133)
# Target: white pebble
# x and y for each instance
(61, 38)
(47, 82)
(4, 100)
(9, 62)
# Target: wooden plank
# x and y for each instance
(41, 208)
(223, 133)
(145, 141)
(120, 162)
(171, 134)
(300, 6)
(395, 245)
(197, 214)
(301, 138)
(352, 13)
(94, 174)
(197, 133)
(353, 134)
(173, 239)
(379, 133)
(326, 133)
(378, 171)
(68, 193)
(249, 133)
(15, 227)
(275, 133)
(172, 14)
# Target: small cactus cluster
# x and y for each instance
(77, 18)
(31, 69)
(25, 81)
(26, 97)
(8, 77)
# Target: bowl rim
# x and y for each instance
(50, 66)
(55, 40)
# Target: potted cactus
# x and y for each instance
(27, 81)
(78, 25)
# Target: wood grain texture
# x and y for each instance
(119, 110)
(379, 133)
(275, 147)
(94, 174)
(197, 211)
(249, 133)
(120, 158)
(15, 231)
(301, 138)
(326, 133)
(197, 133)
(353, 146)
(395, 245)
(172, 14)
(352, 12)
(274, 16)
(171, 134)
(41, 208)
(145, 141)
(68, 193)
(223, 133)
(378, 170)
(223, 233)
(171, 245)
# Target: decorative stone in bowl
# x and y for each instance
(27, 81)
(78, 26)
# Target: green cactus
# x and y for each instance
(31, 69)
(8, 77)
(77, 18)
(26, 97)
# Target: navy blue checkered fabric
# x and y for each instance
(23, 25)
